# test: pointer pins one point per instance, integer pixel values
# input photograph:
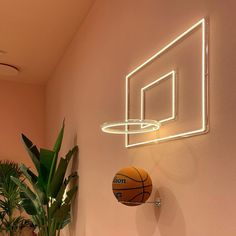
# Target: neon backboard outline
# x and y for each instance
(170, 75)
(204, 87)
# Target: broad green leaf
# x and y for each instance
(73, 175)
(70, 194)
(61, 215)
(41, 193)
(71, 153)
(43, 178)
(32, 150)
(28, 205)
(58, 143)
(65, 221)
(58, 178)
(24, 189)
(32, 178)
(29, 194)
(30, 144)
(58, 200)
(56, 150)
(46, 160)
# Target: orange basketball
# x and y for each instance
(132, 186)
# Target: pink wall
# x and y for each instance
(22, 111)
(196, 177)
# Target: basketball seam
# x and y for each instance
(132, 178)
(138, 195)
(142, 182)
(132, 188)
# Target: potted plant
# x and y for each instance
(11, 220)
(48, 193)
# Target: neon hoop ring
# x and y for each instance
(146, 126)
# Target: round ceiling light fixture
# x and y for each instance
(144, 126)
(8, 70)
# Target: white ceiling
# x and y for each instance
(35, 33)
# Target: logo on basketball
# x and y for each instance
(119, 181)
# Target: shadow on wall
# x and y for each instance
(147, 216)
(151, 220)
(176, 161)
(171, 216)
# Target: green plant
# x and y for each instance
(11, 221)
(48, 194)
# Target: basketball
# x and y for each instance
(132, 186)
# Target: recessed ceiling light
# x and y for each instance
(8, 70)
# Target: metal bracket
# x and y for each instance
(157, 202)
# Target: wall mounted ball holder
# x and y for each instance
(157, 202)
